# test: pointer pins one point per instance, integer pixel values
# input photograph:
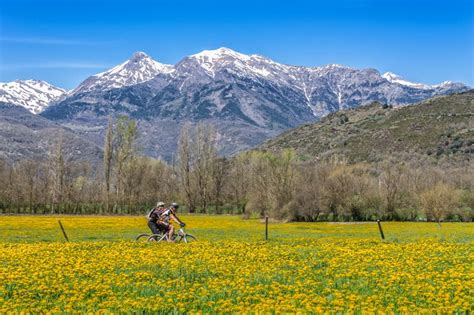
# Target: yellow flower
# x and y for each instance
(304, 268)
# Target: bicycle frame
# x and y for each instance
(178, 236)
(165, 236)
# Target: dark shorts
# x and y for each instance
(158, 228)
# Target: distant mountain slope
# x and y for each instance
(33, 95)
(249, 98)
(441, 126)
(24, 135)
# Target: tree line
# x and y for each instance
(254, 184)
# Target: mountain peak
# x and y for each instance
(138, 69)
(390, 76)
(334, 65)
(139, 55)
(34, 95)
(219, 53)
(140, 61)
(212, 61)
(395, 78)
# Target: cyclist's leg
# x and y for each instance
(153, 227)
(170, 232)
(162, 227)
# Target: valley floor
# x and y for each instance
(303, 267)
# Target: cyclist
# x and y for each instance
(154, 218)
(171, 214)
(160, 218)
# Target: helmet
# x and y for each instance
(160, 204)
(175, 205)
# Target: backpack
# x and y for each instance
(148, 216)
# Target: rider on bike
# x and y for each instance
(172, 214)
(154, 216)
(159, 219)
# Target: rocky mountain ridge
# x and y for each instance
(247, 98)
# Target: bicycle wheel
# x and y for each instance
(187, 238)
(142, 237)
(156, 237)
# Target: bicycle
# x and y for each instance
(180, 236)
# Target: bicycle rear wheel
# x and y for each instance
(142, 237)
(156, 237)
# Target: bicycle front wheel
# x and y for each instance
(188, 238)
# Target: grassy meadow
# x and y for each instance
(302, 268)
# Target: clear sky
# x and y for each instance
(65, 41)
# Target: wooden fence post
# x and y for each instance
(62, 229)
(266, 228)
(380, 229)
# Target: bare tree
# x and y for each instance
(439, 201)
(57, 169)
(204, 151)
(108, 157)
(195, 165)
(391, 182)
(219, 173)
(272, 183)
(184, 168)
(135, 174)
(308, 198)
(259, 193)
(4, 185)
(125, 136)
(281, 181)
(339, 190)
(239, 180)
(27, 172)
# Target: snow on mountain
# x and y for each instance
(201, 77)
(208, 58)
(394, 78)
(138, 69)
(225, 59)
(444, 84)
(34, 95)
(248, 97)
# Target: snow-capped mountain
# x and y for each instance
(138, 69)
(321, 89)
(34, 95)
(249, 98)
(225, 59)
(394, 78)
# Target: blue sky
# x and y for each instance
(65, 41)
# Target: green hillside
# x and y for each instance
(439, 127)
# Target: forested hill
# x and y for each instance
(441, 127)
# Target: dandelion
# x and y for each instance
(319, 272)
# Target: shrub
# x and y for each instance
(439, 201)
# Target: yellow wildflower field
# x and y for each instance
(302, 268)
